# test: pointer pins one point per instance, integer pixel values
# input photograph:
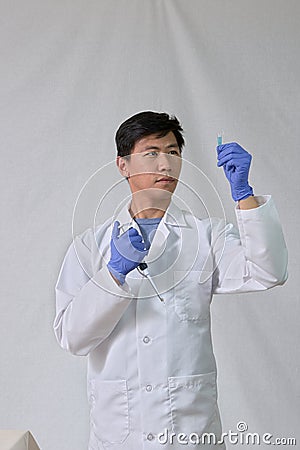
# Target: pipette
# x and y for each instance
(143, 270)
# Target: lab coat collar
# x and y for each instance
(173, 216)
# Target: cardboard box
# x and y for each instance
(17, 440)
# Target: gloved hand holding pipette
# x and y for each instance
(236, 164)
(127, 252)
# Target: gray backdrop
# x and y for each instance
(71, 72)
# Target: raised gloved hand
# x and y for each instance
(127, 252)
(236, 164)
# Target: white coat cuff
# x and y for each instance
(261, 200)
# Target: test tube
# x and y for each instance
(220, 138)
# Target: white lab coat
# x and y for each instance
(151, 366)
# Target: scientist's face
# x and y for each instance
(154, 163)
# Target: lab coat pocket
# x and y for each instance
(109, 410)
(193, 402)
(192, 294)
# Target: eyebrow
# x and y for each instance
(154, 147)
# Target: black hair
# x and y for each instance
(143, 124)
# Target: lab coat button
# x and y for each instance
(148, 387)
(150, 437)
(146, 339)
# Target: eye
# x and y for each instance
(175, 152)
(153, 153)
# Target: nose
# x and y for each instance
(164, 162)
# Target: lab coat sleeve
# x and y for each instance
(87, 307)
(254, 257)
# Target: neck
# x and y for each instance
(148, 207)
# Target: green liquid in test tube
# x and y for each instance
(220, 138)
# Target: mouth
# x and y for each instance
(165, 180)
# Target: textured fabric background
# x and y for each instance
(71, 72)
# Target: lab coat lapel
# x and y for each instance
(159, 242)
(173, 217)
(125, 219)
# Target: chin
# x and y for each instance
(162, 193)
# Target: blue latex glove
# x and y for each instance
(236, 164)
(127, 252)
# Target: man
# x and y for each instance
(134, 294)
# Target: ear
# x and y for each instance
(122, 164)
